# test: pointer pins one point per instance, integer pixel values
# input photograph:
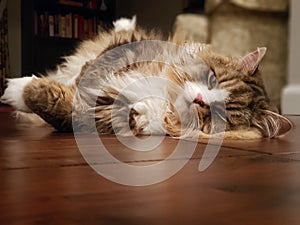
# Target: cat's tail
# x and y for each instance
(125, 24)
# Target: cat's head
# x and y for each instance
(232, 89)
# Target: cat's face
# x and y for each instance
(232, 92)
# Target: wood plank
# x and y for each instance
(45, 180)
(237, 190)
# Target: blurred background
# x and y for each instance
(35, 34)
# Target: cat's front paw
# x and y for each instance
(148, 118)
(13, 94)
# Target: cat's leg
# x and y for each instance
(13, 96)
(46, 98)
(51, 101)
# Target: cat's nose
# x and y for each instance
(199, 100)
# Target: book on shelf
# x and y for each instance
(56, 26)
(65, 25)
(61, 26)
(69, 27)
(75, 26)
(41, 25)
(51, 25)
(80, 27)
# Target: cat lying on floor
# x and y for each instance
(128, 81)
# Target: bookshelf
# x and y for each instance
(52, 29)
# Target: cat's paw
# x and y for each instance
(140, 117)
(140, 107)
(148, 118)
(13, 94)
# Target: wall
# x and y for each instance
(291, 93)
(294, 54)
(14, 36)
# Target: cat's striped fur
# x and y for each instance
(108, 82)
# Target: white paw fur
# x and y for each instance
(150, 116)
(124, 24)
(13, 94)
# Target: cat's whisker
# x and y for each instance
(221, 116)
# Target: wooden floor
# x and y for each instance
(45, 180)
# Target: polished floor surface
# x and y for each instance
(45, 179)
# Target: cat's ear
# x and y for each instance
(250, 62)
(271, 124)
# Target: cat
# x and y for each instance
(131, 81)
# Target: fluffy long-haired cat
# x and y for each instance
(128, 81)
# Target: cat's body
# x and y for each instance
(129, 82)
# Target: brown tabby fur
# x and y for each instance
(249, 113)
(248, 103)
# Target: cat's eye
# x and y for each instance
(211, 80)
